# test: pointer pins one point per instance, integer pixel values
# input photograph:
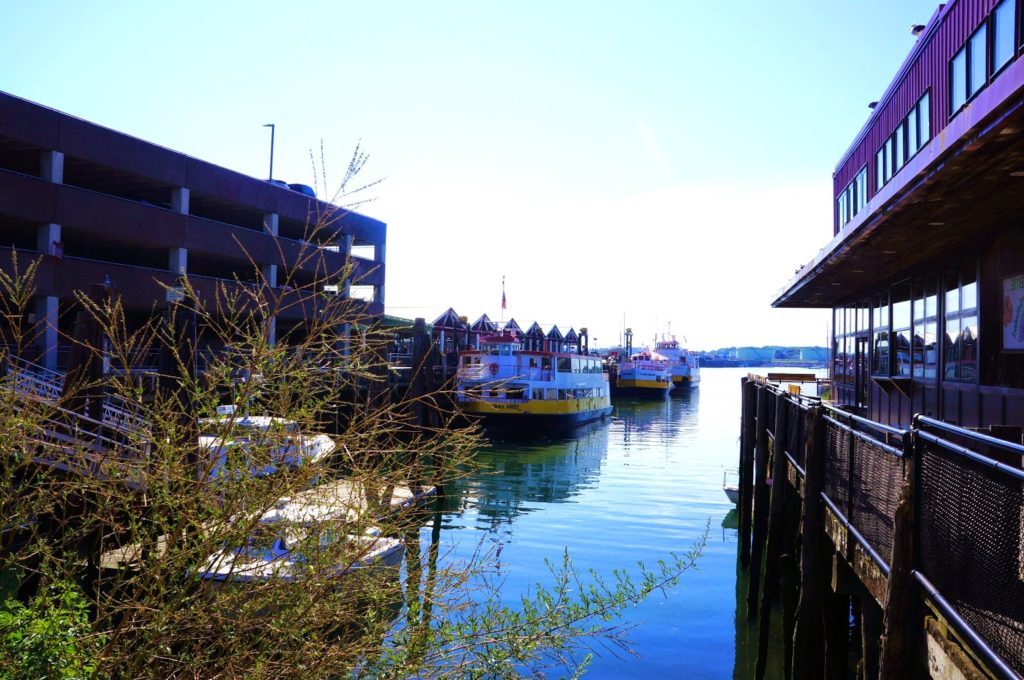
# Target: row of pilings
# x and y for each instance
(834, 623)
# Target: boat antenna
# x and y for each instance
(504, 305)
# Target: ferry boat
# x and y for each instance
(644, 375)
(510, 387)
(685, 367)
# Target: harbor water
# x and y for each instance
(646, 482)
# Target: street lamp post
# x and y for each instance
(271, 126)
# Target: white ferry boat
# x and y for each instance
(685, 366)
(644, 375)
(511, 387)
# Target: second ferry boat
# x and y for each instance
(518, 390)
(685, 367)
(644, 375)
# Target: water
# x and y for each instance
(646, 482)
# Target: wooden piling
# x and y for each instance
(898, 628)
(775, 532)
(870, 630)
(746, 467)
(808, 636)
(837, 636)
(760, 521)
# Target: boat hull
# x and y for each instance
(507, 419)
(683, 383)
(644, 389)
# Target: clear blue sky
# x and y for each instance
(666, 161)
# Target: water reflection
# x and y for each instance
(656, 420)
(646, 482)
(518, 478)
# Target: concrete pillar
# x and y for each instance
(270, 226)
(179, 200)
(270, 222)
(272, 331)
(47, 310)
(46, 234)
(378, 293)
(52, 166)
(177, 260)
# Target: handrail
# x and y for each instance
(922, 420)
(875, 557)
(871, 424)
(971, 455)
(867, 439)
(992, 660)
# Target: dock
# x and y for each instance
(913, 534)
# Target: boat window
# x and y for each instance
(551, 393)
(562, 394)
(564, 365)
(515, 393)
(538, 393)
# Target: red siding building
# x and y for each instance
(925, 270)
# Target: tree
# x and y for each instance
(131, 488)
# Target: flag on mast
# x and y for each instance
(503, 304)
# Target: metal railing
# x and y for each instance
(968, 528)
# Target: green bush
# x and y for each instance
(49, 638)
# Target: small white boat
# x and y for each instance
(730, 485)
(292, 538)
(257, 445)
(287, 551)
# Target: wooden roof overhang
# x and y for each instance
(960, 188)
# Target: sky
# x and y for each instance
(663, 166)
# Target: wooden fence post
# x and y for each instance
(775, 531)
(760, 501)
(808, 636)
(746, 467)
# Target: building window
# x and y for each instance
(958, 80)
(897, 139)
(1003, 23)
(861, 184)
(852, 199)
(968, 69)
(880, 344)
(924, 119)
(879, 169)
(906, 140)
(960, 341)
(925, 348)
(901, 331)
(977, 60)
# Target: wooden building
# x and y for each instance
(99, 206)
(925, 270)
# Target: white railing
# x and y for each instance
(33, 380)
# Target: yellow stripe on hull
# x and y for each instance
(537, 407)
(643, 385)
(681, 378)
